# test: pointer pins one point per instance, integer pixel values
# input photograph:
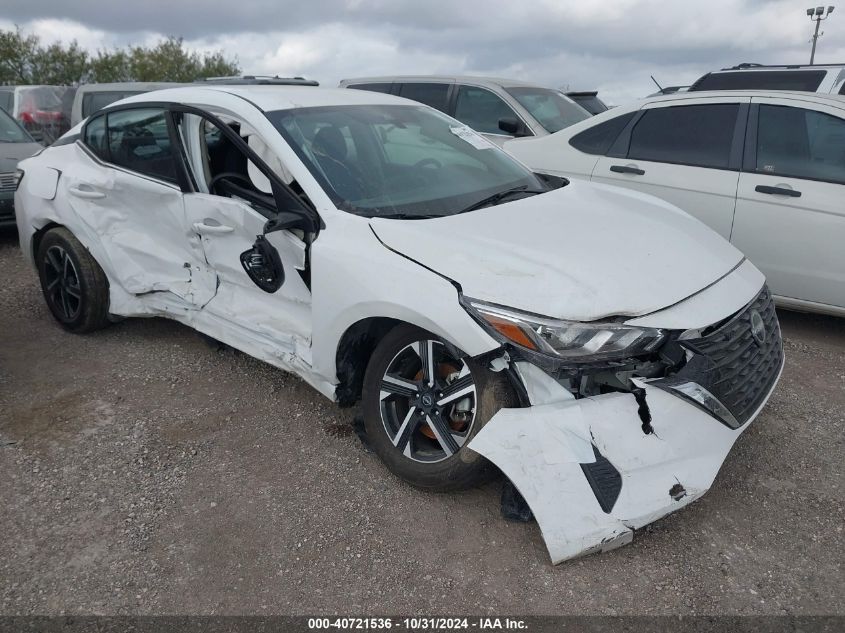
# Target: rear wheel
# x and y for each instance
(422, 406)
(74, 285)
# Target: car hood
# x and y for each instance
(583, 252)
(12, 153)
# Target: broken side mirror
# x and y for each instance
(287, 220)
(263, 265)
(514, 127)
(292, 213)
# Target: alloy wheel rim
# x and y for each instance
(427, 401)
(62, 283)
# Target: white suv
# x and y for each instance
(766, 170)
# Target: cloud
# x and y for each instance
(612, 46)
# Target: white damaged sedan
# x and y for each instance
(602, 348)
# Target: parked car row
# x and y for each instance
(447, 265)
(499, 109)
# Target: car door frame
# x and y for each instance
(620, 149)
(749, 159)
(622, 145)
(749, 169)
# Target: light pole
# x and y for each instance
(817, 15)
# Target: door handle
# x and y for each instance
(627, 169)
(88, 194)
(211, 229)
(778, 191)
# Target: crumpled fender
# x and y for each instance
(541, 449)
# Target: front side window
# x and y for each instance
(220, 167)
(11, 132)
(800, 143)
(399, 160)
(139, 140)
(697, 135)
(434, 95)
(549, 107)
(481, 109)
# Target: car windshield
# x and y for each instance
(549, 107)
(11, 132)
(400, 160)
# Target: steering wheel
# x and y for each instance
(230, 175)
(433, 162)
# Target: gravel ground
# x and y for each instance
(145, 472)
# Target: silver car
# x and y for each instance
(500, 109)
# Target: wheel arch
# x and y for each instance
(354, 350)
(38, 235)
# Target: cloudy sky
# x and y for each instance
(612, 46)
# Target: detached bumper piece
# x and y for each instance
(592, 476)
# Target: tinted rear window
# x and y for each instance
(591, 103)
(7, 100)
(599, 138)
(371, 87)
(434, 95)
(800, 143)
(803, 80)
(94, 101)
(699, 135)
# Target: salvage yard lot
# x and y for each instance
(144, 471)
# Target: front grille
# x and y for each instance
(7, 182)
(731, 364)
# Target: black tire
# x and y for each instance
(464, 468)
(63, 279)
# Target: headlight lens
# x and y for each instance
(571, 340)
(18, 178)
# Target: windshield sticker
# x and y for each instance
(473, 138)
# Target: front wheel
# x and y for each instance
(422, 406)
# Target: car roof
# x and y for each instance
(470, 79)
(793, 67)
(270, 98)
(838, 100)
(128, 85)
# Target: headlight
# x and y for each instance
(18, 178)
(572, 340)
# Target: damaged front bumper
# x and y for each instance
(593, 470)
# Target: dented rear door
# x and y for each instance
(141, 225)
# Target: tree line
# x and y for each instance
(25, 60)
